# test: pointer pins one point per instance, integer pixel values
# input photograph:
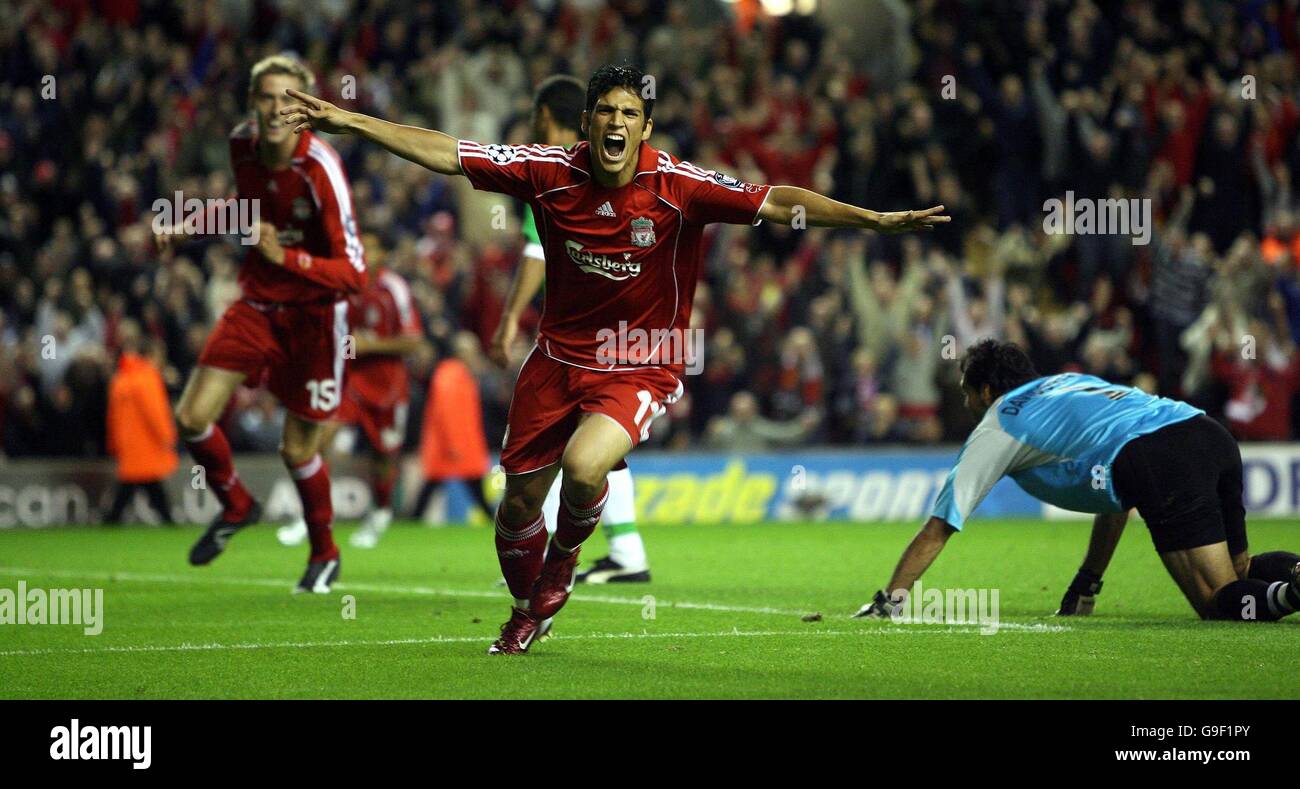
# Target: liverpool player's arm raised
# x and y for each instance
(784, 204)
(425, 147)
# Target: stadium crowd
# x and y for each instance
(811, 336)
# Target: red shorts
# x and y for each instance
(384, 426)
(296, 350)
(551, 396)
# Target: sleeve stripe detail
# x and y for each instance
(688, 167)
(548, 150)
(674, 171)
(530, 153)
(343, 197)
(691, 171)
(474, 155)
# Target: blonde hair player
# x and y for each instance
(289, 328)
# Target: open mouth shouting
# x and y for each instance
(614, 146)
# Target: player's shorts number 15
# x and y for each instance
(324, 393)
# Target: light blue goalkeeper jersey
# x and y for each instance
(1057, 438)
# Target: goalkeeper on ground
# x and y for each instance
(1084, 444)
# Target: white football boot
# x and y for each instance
(374, 526)
(293, 534)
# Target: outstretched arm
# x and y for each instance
(916, 559)
(786, 203)
(920, 554)
(1079, 598)
(425, 147)
(989, 453)
(1107, 528)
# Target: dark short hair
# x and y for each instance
(610, 76)
(563, 96)
(1001, 366)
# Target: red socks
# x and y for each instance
(313, 482)
(520, 551)
(577, 523)
(382, 487)
(212, 452)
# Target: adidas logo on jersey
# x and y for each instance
(606, 210)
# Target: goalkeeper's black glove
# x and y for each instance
(880, 607)
(1081, 597)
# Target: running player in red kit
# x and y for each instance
(290, 326)
(376, 390)
(621, 224)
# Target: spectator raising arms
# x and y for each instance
(1145, 104)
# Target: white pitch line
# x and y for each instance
(734, 633)
(435, 592)
(380, 588)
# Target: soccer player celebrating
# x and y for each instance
(290, 324)
(1084, 444)
(376, 391)
(621, 224)
(557, 120)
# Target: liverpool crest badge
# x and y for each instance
(643, 232)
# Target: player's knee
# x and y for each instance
(1242, 601)
(189, 422)
(1216, 605)
(584, 471)
(1241, 565)
(1221, 604)
(520, 506)
(295, 453)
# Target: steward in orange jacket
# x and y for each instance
(452, 441)
(141, 430)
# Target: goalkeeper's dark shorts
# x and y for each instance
(1185, 480)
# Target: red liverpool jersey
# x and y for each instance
(310, 204)
(620, 261)
(384, 309)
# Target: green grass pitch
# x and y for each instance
(726, 620)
